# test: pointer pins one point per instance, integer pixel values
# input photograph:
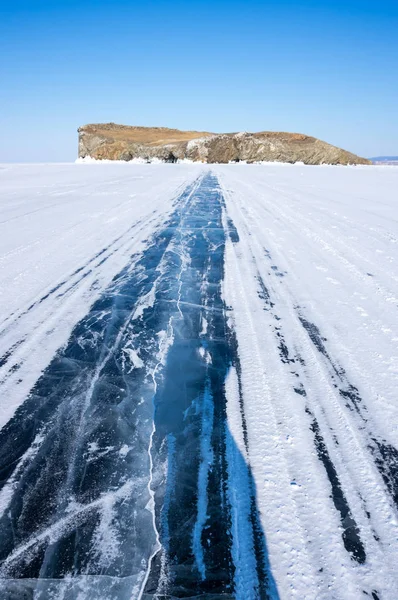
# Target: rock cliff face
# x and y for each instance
(122, 142)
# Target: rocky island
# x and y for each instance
(122, 142)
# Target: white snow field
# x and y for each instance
(198, 382)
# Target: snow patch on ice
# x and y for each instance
(135, 360)
(124, 450)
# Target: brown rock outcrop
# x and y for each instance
(122, 142)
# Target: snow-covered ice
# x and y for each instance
(198, 375)
(65, 231)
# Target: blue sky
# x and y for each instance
(325, 68)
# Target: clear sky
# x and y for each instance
(326, 68)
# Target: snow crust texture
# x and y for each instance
(198, 381)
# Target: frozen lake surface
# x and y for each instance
(198, 375)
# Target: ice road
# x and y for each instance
(198, 382)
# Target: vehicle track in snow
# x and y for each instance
(56, 297)
(361, 476)
(82, 502)
(88, 418)
(38, 326)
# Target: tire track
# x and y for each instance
(68, 455)
(108, 498)
(295, 367)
